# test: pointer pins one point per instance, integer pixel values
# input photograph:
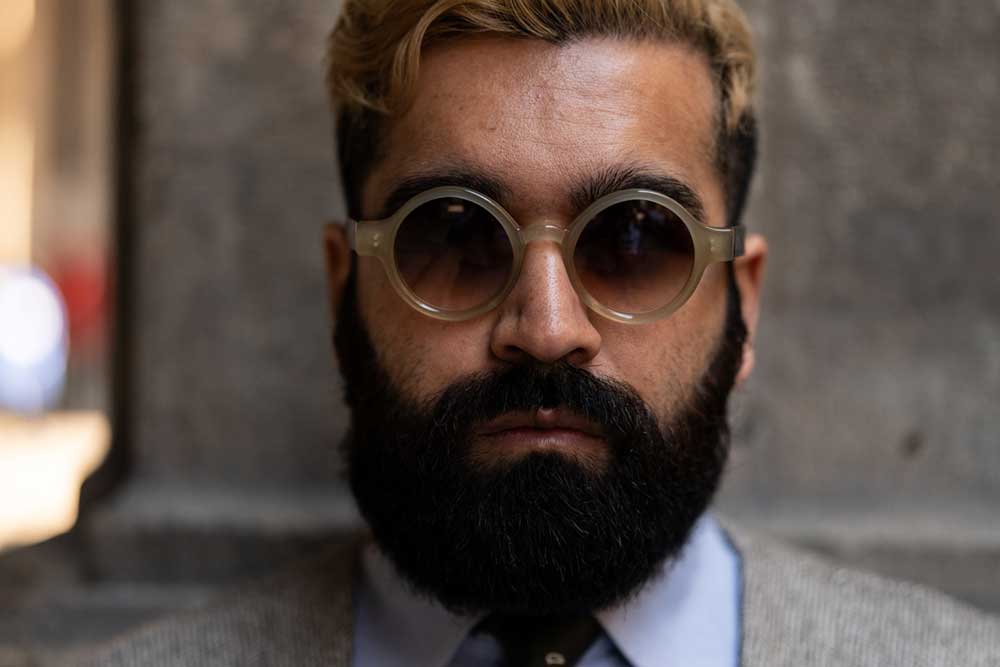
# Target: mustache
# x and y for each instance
(610, 404)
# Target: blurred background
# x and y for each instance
(165, 170)
(56, 141)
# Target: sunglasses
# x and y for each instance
(633, 256)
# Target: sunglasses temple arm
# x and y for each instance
(739, 240)
(725, 244)
(366, 237)
(351, 230)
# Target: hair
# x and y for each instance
(375, 49)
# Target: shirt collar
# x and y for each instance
(688, 615)
(398, 626)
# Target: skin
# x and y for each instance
(541, 119)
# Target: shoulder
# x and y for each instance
(801, 609)
(302, 616)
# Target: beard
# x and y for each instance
(543, 534)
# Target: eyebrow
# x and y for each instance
(465, 178)
(622, 177)
(582, 195)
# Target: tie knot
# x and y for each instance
(541, 641)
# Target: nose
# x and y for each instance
(542, 318)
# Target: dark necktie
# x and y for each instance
(541, 641)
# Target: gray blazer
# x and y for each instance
(798, 610)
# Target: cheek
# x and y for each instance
(421, 355)
(665, 360)
(661, 363)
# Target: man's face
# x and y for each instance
(543, 123)
(544, 120)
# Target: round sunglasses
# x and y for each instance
(633, 256)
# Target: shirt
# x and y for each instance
(688, 615)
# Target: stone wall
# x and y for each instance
(232, 378)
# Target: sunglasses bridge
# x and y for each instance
(542, 232)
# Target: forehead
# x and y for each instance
(539, 117)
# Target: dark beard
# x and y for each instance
(543, 535)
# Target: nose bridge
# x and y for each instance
(543, 231)
(544, 264)
(544, 318)
(546, 299)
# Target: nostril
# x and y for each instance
(515, 354)
(579, 357)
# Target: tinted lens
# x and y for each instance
(453, 254)
(635, 256)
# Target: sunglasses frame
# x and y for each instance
(377, 238)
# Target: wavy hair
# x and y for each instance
(375, 48)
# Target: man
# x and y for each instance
(544, 298)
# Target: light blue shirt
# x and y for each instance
(688, 616)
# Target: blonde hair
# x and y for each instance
(375, 48)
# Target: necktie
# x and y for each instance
(542, 641)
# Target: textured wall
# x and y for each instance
(232, 377)
(879, 373)
(871, 426)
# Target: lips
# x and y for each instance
(541, 420)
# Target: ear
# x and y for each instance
(338, 263)
(749, 272)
